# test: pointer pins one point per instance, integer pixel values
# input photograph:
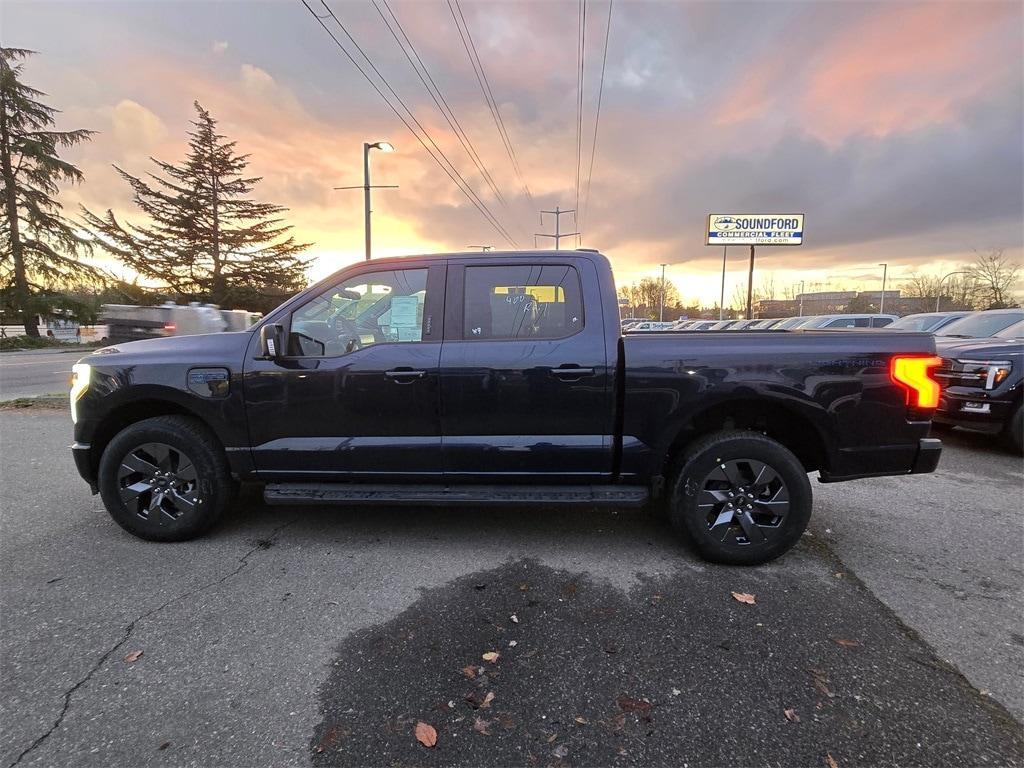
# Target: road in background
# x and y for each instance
(36, 372)
(296, 635)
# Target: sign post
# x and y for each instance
(753, 229)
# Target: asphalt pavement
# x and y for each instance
(323, 636)
(37, 372)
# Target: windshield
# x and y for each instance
(918, 322)
(982, 324)
(1015, 331)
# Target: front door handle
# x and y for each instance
(404, 375)
(571, 372)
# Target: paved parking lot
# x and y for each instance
(891, 635)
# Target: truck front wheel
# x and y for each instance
(165, 478)
(740, 497)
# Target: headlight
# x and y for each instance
(80, 373)
(990, 373)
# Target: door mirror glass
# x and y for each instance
(272, 341)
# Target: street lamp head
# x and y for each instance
(383, 146)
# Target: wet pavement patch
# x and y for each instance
(677, 672)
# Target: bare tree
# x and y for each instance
(996, 276)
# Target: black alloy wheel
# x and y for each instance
(743, 500)
(740, 497)
(158, 483)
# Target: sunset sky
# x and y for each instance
(897, 128)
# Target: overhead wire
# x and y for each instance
(437, 154)
(597, 117)
(437, 96)
(485, 87)
(581, 51)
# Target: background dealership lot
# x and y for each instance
(297, 635)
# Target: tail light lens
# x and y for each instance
(914, 375)
(169, 329)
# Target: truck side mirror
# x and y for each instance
(272, 344)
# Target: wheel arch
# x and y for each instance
(787, 424)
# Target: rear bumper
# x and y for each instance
(881, 461)
(83, 463)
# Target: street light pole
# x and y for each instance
(383, 146)
(801, 298)
(661, 314)
(881, 304)
(938, 288)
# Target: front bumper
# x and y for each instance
(83, 463)
(991, 417)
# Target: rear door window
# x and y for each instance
(522, 302)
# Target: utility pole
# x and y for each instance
(801, 298)
(383, 146)
(721, 299)
(750, 286)
(661, 313)
(557, 237)
(881, 303)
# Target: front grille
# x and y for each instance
(953, 373)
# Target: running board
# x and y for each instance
(359, 493)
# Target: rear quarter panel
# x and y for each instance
(837, 382)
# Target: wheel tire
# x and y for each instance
(722, 463)
(1014, 432)
(182, 500)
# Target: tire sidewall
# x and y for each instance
(691, 522)
(208, 470)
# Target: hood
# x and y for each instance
(227, 346)
(986, 348)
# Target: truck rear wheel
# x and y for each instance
(165, 479)
(740, 497)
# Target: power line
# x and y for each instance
(485, 87)
(581, 51)
(597, 117)
(436, 154)
(438, 97)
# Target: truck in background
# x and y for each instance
(130, 322)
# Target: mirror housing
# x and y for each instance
(272, 343)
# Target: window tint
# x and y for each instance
(371, 308)
(522, 302)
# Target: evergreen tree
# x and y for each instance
(206, 240)
(38, 247)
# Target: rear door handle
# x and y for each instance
(404, 375)
(571, 372)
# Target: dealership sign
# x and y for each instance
(755, 229)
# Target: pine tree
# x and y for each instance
(206, 240)
(38, 247)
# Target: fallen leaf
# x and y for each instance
(830, 761)
(560, 751)
(481, 726)
(523, 587)
(132, 657)
(469, 671)
(626, 704)
(582, 721)
(791, 715)
(513, 643)
(491, 656)
(472, 699)
(514, 618)
(487, 700)
(164, 746)
(552, 737)
(847, 643)
(743, 597)
(425, 734)
(570, 589)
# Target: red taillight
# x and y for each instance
(170, 328)
(914, 375)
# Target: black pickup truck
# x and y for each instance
(499, 378)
